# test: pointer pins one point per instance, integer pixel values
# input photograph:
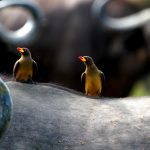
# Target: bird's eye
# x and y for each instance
(24, 49)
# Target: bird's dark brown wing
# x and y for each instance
(35, 70)
(102, 76)
(15, 69)
(83, 76)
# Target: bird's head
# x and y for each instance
(24, 51)
(88, 61)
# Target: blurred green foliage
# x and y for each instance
(142, 87)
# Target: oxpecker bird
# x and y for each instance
(25, 67)
(92, 77)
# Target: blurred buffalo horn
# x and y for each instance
(133, 21)
(28, 32)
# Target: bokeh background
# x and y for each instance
(70, 29)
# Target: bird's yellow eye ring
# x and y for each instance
(82, 58)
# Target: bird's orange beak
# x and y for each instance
(20, 49)
(82, 58)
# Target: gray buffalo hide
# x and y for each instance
(53, 118)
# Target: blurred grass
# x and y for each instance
(142, 87)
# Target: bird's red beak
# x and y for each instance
(82, 58)
(20, 49)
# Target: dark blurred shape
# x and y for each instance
(5, 107)
(71, 30)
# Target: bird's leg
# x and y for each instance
(22, 81)
(30, 81)
(87, 93)
(99, 93)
